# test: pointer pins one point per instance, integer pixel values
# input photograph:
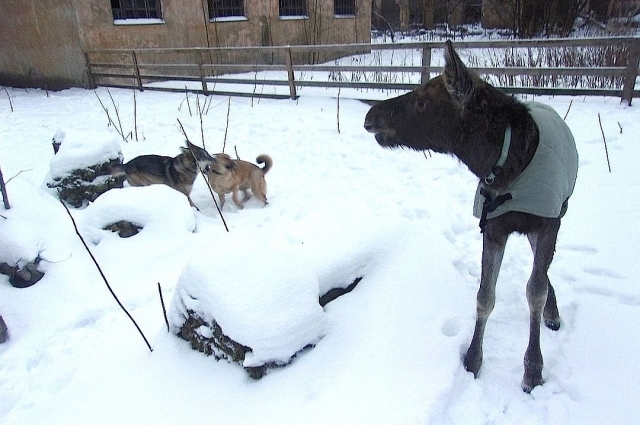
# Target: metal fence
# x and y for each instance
(578, 66)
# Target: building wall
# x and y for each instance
(42, 41)
(39, 44)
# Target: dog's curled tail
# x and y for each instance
(267, 161)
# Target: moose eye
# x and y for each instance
(420, 105)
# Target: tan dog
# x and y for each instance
(238, 176)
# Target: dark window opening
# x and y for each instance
(225, 8)
(344, 7)
(293, 7)
(136, 9)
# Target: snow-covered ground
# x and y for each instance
(339, 207)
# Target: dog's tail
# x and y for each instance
(267, 161)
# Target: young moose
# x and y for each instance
(527, 163)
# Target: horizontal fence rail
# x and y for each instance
(582, 66)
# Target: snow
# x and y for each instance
(340, 207)
(81, 149)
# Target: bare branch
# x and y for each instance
(104, 278)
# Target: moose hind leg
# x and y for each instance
(543, 244)
(551, 315)
(492, 254)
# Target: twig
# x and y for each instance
(104, 278)
(338, 113)
(606, 151)
(109, 116)
(208, 106)
(135, 115)
(186, 93)
(235, 148)
(620, 127)
(206, 180)
(3, 189)
(9, 96)
(200, 115)
(226, 129)
(568, 109)
(164, 310)
(117, 116)
(20, 172)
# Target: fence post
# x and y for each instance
(426, 65)
(202, 75)
(90, 80)
(633, 61)
(137, 70)
(291, 78)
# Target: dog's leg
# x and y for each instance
(494, 242)
(236, 200)
(192, 204)
(543, 243)
(221, 198)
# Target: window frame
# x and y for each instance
(137, 11)
(344, 8)
(227, 6)
(291, 9)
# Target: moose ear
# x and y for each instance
(457, 77)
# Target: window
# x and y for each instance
(344, 7)
(136, 9)
(293, 7)
(225, 8)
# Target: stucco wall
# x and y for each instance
(39, 44)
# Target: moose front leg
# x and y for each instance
(494, 242)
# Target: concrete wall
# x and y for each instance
(42, 41)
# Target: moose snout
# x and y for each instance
(372, 122)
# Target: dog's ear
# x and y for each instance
(457, 77)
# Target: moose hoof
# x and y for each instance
(532, 376)
(553, 324)
(529, 385)
(472, 362)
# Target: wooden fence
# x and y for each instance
(589, 66)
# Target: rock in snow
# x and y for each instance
(248, 303)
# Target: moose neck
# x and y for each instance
(480, 145)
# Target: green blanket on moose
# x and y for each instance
(547, 183)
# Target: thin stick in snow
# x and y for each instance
(338, 113)
(206, 180)
(104, 278)
(226, 129)
(200, 116)
(9, 96)
(3, 189)
(117, 116)
(568, 109)
(186, 93)
(135, 114)
(164, 310)
(606, 151)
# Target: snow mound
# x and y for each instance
(256, 294)
(82, 149)
(158, 209)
